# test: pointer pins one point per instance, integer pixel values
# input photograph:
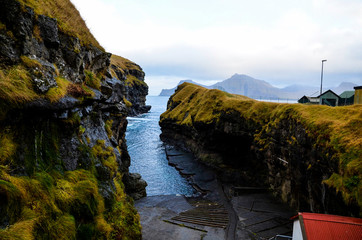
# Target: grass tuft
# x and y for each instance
(108, 127)
(124, 63)
(91, 80)
(106, 155)
(7, 147)
(132, 81)
(128, 103)
(16, 85)
(56, 93)
(30, 63)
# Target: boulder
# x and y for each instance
(135, 185)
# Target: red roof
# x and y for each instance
(330, 227)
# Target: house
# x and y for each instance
(329, 98)
(346, 98)
(358, 95)
(310, 100)
(314, 226)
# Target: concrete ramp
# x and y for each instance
(205, 213)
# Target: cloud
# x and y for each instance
(282, 42)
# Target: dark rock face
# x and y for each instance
(137, 96)
(135, 185)
(102, 117)
(46, 80)
(50, 47)
(49, 31)
(8, 52)
(21, 22)
(135, 91)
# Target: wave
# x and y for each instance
(140, 119)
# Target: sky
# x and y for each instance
(279, 41)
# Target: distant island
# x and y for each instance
(254, 88)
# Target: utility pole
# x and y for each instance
(322, 75)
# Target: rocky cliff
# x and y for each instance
(63, 108)
(308, 156)
(132, 78)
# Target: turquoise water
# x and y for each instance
(148, 154)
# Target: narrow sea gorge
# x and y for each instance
(148, 152)
(83, 155)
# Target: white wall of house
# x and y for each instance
(297, 230)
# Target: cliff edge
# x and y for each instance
(63, 108)
(308, 156)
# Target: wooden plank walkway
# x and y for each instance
(205, 213)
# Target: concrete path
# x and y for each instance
(249, 214)
(156, 219)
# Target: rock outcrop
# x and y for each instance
(134, 86)
(308, 156)
(63, 155)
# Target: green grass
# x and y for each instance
(108, 127)
(128, 103)
(132, 81)
(123, 217)
(51, 203)
(335, 130)
(54, 205)
(7, 147)
(91, 80)
(16, 85)
(56, 93)
(30, 63)
(124, 65)
(106, 156)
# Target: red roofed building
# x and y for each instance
(314, 226)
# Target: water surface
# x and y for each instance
(148, 154)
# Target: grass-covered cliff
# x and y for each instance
(135, 87)
(63, 155)
(46, 45)
(309, 156)
(68, 18)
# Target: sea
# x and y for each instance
(148, 155)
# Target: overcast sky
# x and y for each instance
(279, 41)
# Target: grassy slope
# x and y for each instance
(336, 128)
(68, 17)
(124, 64)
